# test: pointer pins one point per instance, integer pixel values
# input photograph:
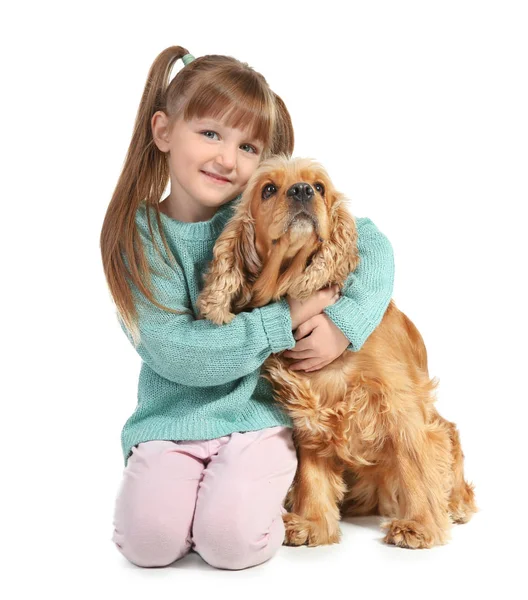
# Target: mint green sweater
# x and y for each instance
(201, 381)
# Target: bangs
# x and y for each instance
(248, 109)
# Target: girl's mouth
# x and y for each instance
(214, 178)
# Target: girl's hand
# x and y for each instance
(320, 343)
(303, 310)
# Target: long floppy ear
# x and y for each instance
(235, 264)
(335, 259)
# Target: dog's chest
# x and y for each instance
(339, 431)
(330, 410)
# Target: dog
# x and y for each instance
(369, 438)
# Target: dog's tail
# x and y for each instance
(462, 503)
(417, 344)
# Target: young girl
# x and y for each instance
(208, 453)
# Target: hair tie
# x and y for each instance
(187, 59)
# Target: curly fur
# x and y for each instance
(369, 438)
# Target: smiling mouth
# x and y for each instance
(216, 178)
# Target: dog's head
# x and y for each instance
(291, 234)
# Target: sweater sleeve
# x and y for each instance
(367, 290)
(197, 352)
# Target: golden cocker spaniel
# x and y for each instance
(368, 436)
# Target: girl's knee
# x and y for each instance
(151, 544)
(226, 544)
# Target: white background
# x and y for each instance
(419, 112)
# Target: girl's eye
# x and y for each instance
(208, 131)
(319, 187)
(252, 147)
(268, 191)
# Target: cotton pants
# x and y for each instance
(221, 498)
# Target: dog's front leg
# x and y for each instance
(314, 500)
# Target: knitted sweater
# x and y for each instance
(201, 381)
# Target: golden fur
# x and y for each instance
(369, 438)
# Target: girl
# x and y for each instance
(208, 453)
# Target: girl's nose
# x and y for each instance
(227, 157)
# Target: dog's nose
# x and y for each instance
(300, 192)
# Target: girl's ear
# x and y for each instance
(234, 266)
(160, 130)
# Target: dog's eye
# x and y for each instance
(320, 188)
(268, 191)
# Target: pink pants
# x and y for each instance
(221, 498)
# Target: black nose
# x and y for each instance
(302, 192)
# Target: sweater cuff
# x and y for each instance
(276, 319)
(351, 320)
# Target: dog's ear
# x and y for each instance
(234, 266)
(342, 250)
(337, 256)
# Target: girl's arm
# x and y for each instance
(368, 290)
(197, 352)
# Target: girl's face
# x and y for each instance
(203, 146)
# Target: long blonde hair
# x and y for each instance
(210, 86)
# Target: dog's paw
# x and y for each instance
(408, 534)
(300, 532)
(302, 287)
(217, 315)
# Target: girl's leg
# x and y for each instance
(155, 504)
(238, 518)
